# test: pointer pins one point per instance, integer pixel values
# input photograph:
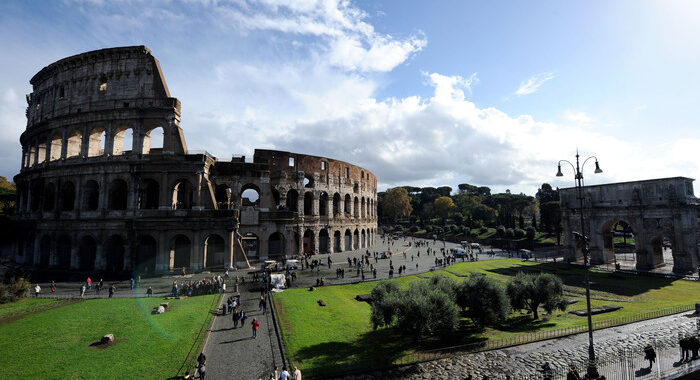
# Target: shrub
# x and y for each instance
(483, 230)
(475, 233)
(501, 231)
(426, 310)
(483, 299)
(510, 233)
(386, 297)
(429, 228)
(519, 233)
(530, 232)
(13, 292)
(414, 229)
(529, 291)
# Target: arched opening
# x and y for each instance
(214, 251)
(323, 241)
(31, 156)
(118, 194)
(356, 188)
(251, 244)
(356, 208)
(91, 195)
(67, 196)
(145, 255)
(337, 247)
(114, 254)
(275, 245)
(41, 152)
(37, 192)
(123, 141)
(362, 208)
(87, 251)
(292, 200)
(308, 242)
(363, 239)
(250, 196)
(223, 196)
(619, 243)
(49, 197)
(73, 144)
(148, 195)
(45, 251)
(180, 249)
(308, 203)
(661, 251)
(336, 205)
(323, 204)
(56, 144)
(348, 240)
(275, 197)
(96, 142)
(348, 205)
(63, 250)
(153, 141)
(356, 239)
(308, 181)
(183, 194)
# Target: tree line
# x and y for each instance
(472, 207)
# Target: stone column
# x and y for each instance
(100, 258)
(163, 254)
(316, 241)
(230, 241)
(74, 264)
(109, 139)
(37, 250)
(127, 257)
(196, 253)
(166, 196)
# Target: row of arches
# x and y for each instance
(115, 255)
(147, 255)
(116, 195)
(93, 142)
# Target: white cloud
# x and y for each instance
(532, 84)
(577, 117)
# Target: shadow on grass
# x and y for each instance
(622, 284)
(525, 323)
(381, 349)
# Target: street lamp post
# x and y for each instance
(591, 370)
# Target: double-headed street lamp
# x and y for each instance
(578, 178)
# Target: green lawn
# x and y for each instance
(340, 333)
(55, 343)
(26, 305)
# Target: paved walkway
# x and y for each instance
(233, 353)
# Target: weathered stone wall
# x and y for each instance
(87, 201)
(654, 209)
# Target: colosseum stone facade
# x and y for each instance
(107, 182)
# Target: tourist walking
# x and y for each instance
(254, 325)
(297, 373)
(235, 316)
(112, 289)
(82, 290)
(131, 284)
(284, 375)
(149, 291)
(37, 290)
(649, 354)
(244, 316)
(53, 288)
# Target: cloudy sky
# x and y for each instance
(419, 92)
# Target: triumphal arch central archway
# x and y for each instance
(655, 215)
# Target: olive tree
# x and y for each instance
(529, 291)
(483, 300)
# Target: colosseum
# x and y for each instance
(107, 182)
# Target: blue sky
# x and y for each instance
(422, 93)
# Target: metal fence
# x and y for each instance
(487, 345)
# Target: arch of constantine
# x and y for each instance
(661, 213)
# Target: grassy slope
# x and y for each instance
(26, 305)
(56, 343)
(341, 332)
